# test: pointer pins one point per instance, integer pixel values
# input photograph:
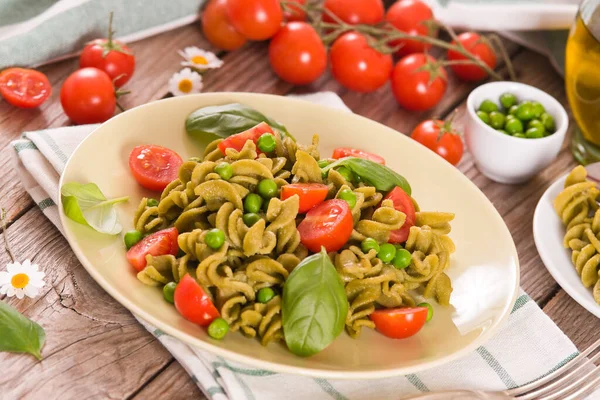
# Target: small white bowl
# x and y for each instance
(504, 158)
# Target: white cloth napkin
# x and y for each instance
(528, 346)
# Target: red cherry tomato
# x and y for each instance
(297, 53)
(441, 138)
(403, 203)
(218, 29)
(342, 152)
(410, 16)
(157, 244)
(355, 11)
(193, 303)
(154, 167)
(399, 323)
(255, 19)
(329, 225)
(24, 88)
(475, 45)
(118, 61)
(238, 140)
(311, 194)
(415, 89)
(295, 13)
(357, 66)
(88, 96)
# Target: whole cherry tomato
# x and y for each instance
(357, 66)
(193, 303)
(441, 138)
(154, 167)
(295, 13)
(418, 83)
(477, 46)
(297, 53)
(399, 323)
(157, 244)
(24, 88)
(88, 96)
(355, 11)
(411, 16)
(255, 19)
(218, 29)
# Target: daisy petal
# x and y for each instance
(20, 293)
(11, 291)
(4, 277)
(31, 291)
(4, 289)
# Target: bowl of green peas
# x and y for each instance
(513, 130)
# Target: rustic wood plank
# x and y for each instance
(173, 383)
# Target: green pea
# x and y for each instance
(548, 122)
(348, 196)
(525, 111)
(520, 135)
(195, 159)
(509, 117)
(402, 259)
(488, 106)
(346, 173)
(131, 238)
(538, 109)
(534, 133)
(224, 170)
(485, 117)
(267, 188)
(214, 238)
(514, 126)
(386, 252)
(265, 295)
(429, 310)
(218, 328)
(536, 123)
(508, 100)
(250, 219)
(368, 244)
(152, 202)
(169, 292)
(497, 120)
(266, 143)
(324, 163)
(513, 110)
(253, 203)
(503, 131)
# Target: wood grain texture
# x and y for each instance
(173, 383)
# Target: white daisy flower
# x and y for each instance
(184, 82)
(200, 59)
(21, 279)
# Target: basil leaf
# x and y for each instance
(380, 176)
(87, 205)
(19, 334)
(314, 305)
(227, 120)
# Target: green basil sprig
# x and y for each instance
(227, 120)
(19, 334)
(380, 176)
(85, 203)
(314, 305)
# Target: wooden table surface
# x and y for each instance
(95, 348)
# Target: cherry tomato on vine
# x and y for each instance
(218, 28)
(418, 83)
(88, 96)
(411, 16)
(255, 19)
(357, 66)
(24, 88)
(475, 45)
(440, 137)
(295, 13)
(297, 53)
(354, 12)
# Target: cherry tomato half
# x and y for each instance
(88, 96)
(414, 87)
(329, 225)
(439, 137)
(403, 203)
(154, 167)
(354, 12)
(297, 53)
(218, 28)
(157, 244)
(342, 152)
(311, 194)
(24, 88)
(410, 16)
(193, 303)
(255, 19)
(295, 13)
(114, 58)
(399, 323)
(238, 140)
(475, 45)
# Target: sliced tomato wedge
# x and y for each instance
(342, 152)
(24, 88)
(157, 244)
(193, 303)
(154, 167)
(311, 194)
(238, 140)
(399, 323)
(403, 203)
(329, 225)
